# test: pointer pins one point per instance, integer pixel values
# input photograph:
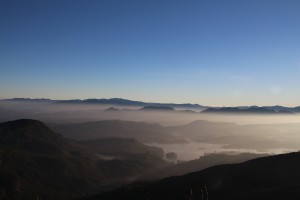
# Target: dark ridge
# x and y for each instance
(112, 109)
(112, 101)
(30, 135)
(36, 162)
(41, 100)
(21, 123)
(158, 108)
(126, 102)
(30, 128)
(188, 111)
(274, 177)
(250, 110)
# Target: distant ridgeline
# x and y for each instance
(252, 110)
(168, 106)
(112, 101)
(158, 108)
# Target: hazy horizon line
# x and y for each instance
(107, 98)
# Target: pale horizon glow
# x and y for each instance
(214, 53)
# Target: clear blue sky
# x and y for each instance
(225, 52)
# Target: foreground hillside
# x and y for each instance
(208, 160)
(36, 162)
(274, 177)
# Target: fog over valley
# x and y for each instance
(189, 133)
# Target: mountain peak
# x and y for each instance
(23, 123)
(26, 133)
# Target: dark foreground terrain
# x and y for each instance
(274, 177)
(38, 163)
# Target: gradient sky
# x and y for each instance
(211, 52)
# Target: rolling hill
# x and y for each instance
(36, 162)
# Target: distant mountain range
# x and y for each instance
(112, 101)
(150, 106)
(249, 110)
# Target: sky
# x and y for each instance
(210, 52)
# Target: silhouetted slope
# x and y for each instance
(30, 136)
(274, 177)
(203, 162)
(112, 109)
(37, 162)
